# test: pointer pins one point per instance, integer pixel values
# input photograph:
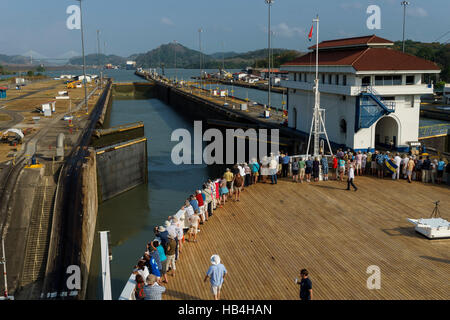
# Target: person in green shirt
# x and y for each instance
(301, 166)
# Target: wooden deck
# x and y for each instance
(274, 231)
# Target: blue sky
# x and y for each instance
(135, 26)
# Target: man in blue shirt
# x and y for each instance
(216, 273)
(152, 266)
(379, 158)
(285, 165)
(194, 203)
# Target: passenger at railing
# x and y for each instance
(302, 166)
(207, 191)
(162, 234)
(162, 256)
(358, 163)
(193, 230)
(404, 164)
(228, 176)
(398, 161)
(255, 170)
(139, 293)
(434, 165)
(248, 175)
(264, 169)
(363, 163)
(234, 170)
(379, 158)
(141, 269)
(410, 168)
(242, 174)
(341, 169)
(324, 163)
(373, 163)
(418, 169)
(238, 184)
(316, 169)
(440, 170)
(309, 168)
(153, 291)
(273, 167)
(285, 164)
(295, 169)
(170, 250)
(426, 170)
(216, 186)
(223, 190)
(335, 165)
(194, 203)
(201, 206)
(152, 265)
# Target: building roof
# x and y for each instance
(366, 59)
(365, 41)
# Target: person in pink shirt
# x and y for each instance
(359, 157)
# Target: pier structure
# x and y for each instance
(340, 236)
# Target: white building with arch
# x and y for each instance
(371, 92)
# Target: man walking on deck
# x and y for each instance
(305, 286)
(216, 273)
(351, 175)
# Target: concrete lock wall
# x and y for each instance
(121, 167)
(89, 205)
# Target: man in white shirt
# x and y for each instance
(405, 161)
(398, 161)
(351, 175)
(241, 168)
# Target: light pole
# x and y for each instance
(404, 4)
(175, 50)
(200, 48)
(100, 65)
(269, 3)
(84, 59)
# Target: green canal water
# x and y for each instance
(130, 217)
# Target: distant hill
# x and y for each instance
(435, 51)
(165, 54)
(14, 59)
(93, 60)
(190, 59)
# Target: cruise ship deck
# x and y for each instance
(274, 231)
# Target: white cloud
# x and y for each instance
(167, 21)
(286, 31)
(417, 12)
(351, 5)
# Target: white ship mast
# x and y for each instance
(318, 122)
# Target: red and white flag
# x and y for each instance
(310, 33)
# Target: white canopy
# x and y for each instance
(16, 131)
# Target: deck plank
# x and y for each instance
(274, 231)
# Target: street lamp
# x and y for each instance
(404, 4)
(175, 50)
(269, 3)
(84, 59)
(200, 47)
